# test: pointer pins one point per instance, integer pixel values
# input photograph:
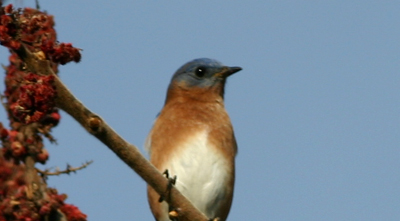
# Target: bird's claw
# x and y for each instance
(171, 182)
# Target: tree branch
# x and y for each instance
(97, 127)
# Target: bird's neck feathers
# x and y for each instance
(180, 92)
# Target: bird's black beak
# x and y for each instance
(228, 71)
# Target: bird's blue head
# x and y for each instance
(203, 73)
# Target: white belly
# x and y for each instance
(202, 173)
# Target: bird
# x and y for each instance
(193, 138)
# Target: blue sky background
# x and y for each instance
(315, 109)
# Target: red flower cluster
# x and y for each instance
(61, 53)
(55, 202)
(15, 205)
(12, 184)
(73, 213)
(17, 146)
(11, 178)
(8, 29)
(35, 29)
(36, 98)
(30, 96)
(14, 201)
(32, 113)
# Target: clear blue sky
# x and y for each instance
(315, 109)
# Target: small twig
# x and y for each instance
(68, 170)
(37, 4)
(46, 133)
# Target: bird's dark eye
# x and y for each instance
(200, 72)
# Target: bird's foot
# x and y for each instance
(171, 182)
(214, 219)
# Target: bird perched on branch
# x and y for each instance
(193, 139)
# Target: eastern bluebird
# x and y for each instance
(193, 138)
